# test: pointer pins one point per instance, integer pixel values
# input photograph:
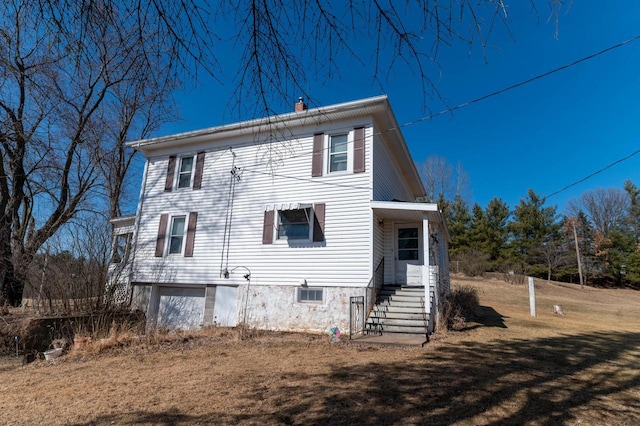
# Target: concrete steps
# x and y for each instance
(399, 311)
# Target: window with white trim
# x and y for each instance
(177, 232)
(185, 172)
(310, 295)
(121, 245)
(338, 152)
(304, 223)
(295, 224)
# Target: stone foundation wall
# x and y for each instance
(278, 308)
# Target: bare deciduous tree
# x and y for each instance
(441, 180)
(285, 44)
(78, 77)
(75, 80)
(606, 209)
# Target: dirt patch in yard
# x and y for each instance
(505, 368)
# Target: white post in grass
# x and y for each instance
(532, 297)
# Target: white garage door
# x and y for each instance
(181, 308)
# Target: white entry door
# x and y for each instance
(225, 311)
(408, 255)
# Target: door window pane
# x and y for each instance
(408, 244)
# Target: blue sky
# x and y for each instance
(544, 135)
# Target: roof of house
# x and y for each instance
(378, 107)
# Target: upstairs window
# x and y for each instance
(341, 152)
(176, 234)
(295, 224)
(338, 153)
(185, 172)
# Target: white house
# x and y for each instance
(291, 222)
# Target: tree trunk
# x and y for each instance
(11, 288)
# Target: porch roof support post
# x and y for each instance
(426, 275)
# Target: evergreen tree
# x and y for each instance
(497, 218)
(533, 229)
(459, 224)
(634, 208)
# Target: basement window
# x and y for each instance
(310, 295)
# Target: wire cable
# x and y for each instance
(482, 98)
(608, 166)
(522, 83)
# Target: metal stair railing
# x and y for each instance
(375, 285)
(357, 317)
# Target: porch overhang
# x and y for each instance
(409, 212)
(405, 211)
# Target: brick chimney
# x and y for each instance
(301, 106)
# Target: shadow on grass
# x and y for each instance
(589, 378)
(488, 317)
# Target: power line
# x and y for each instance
(487, 96)
(522, 83)
(591, 175)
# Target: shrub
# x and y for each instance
(459, 307)
(514, 272)
(473, 262)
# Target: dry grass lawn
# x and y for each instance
(506, 368)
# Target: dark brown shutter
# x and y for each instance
(162, 230)
(191, 234)
(318, 222)
(267, 228)
(168, 185)
(358, 150)
(197, 180)
(318, 147)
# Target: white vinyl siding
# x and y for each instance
(343, 258)
(388, 184)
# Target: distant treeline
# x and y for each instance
(603, 225)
